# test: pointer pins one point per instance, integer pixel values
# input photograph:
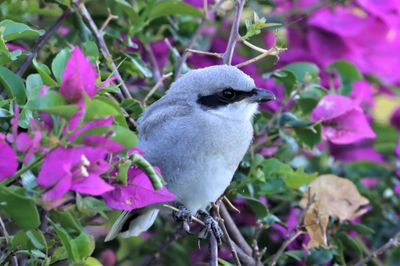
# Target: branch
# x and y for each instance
(273, 51)
(103, 47)
(234, 36)
(156, 87)
(293, 236)
(393, 242)
(192, 51)
(295, 233)
(194, 38)
(42, 41)
(234, 231)
(226, 236)
(108, 20)
(213, 250)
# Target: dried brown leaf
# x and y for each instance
(333, 196)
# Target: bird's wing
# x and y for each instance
(160, 113)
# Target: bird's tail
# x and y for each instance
(133, 223)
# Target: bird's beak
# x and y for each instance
(261, 95)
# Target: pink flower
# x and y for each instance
(79, 77)
(76, 169)
(28, 145)
(370, 182)
(397, 151)
(8, 159)
(138, 193)
(343, 120)
(395, 119)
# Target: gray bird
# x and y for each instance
(197, 134)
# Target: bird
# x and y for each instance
(197, 134)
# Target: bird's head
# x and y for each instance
(221, 90)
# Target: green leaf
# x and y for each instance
(257, 206)
(14, 30)
(90, 49)
(255, 27)
(34, 85)
(59, 62)
(348, 74)
(21, 209)
(311, 135)
(295, 179)
(119, 118)
(139, 65)
(13, 85)
(302, 69)
(44, 72)
(359, 228)
(84, 244)
(171, 7)
(66, 241)
(53, 102)
(119, 134)
(287, 78)
(67, 220)
(273, 185)
(319, 256)
(99, 108)
(29, 239)
(295, 254)
(306, 105)
(289, 119)
(92, 262)
(350, 244)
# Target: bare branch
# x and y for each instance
(234, 36)
(156, 87)
(226, 236)
(108, 20)
(213, 251)
(234, 231)
(393, 242)
(293, 236)
(273, 51)
(192, 51)
(42, 41)
(194, 218)
(103, 47)
(195, 36)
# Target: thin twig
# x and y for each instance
(273, 51)
(296, 232)
(244, 257)
(156, 87)
(213, 251)
(285, 244)
(234, 231)
(7, 236)
(108, 20)
(234, 36)
(194, 218)
(226, 236)
(192, 51)
(194, 38)
(230, 204)
(42, 41)
(103, 47)
(252, 46)
(393, 242)
(153, 60)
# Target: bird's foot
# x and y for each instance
(184, 216)
(210, 226)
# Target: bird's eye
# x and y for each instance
(228, 93)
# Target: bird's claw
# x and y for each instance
(210, 225)
(184, 216)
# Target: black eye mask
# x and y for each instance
(224, 97)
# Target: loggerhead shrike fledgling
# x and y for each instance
(197, 134)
